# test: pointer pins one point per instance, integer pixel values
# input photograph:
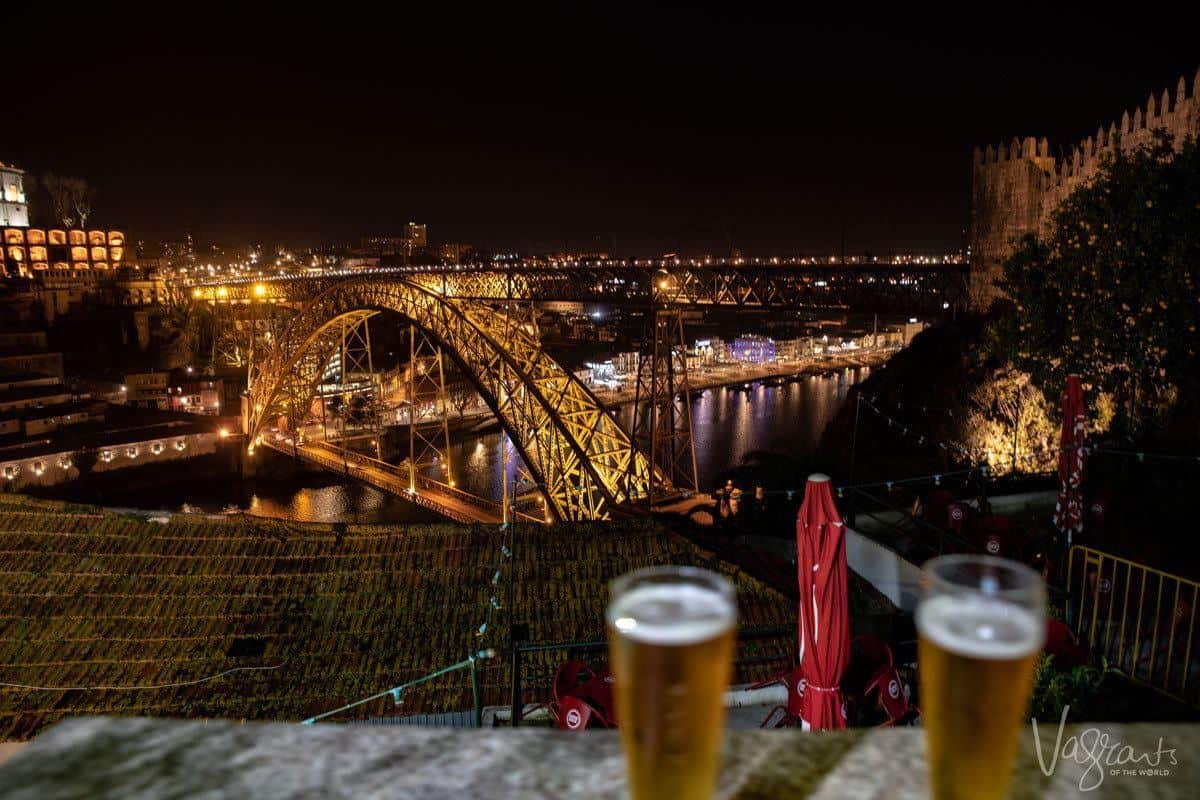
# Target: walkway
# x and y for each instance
(434, 495)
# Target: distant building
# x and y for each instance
(793, 349)
(14, 211)
(140, 288)
(33, 398)
(626, 363)
(752, 349)
(201, 396)
(147, 390)
(412, 242)
(414, 232)
(32, 251)
(453, 252)
(24, 353)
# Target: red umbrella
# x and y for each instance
(1068, 513)
(824, 611)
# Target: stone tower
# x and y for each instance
(1016, 187)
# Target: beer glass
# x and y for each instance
(980, 625)
(670, 642)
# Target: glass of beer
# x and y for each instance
(670, 642)
(981, 623)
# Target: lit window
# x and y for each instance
(77, 237)
(58, 237)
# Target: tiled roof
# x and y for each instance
(97, 599)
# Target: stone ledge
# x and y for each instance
(136, 759)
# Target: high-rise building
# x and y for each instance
(414, 232)
(14, 210)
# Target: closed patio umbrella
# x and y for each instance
(1068, 512)
(824, 611)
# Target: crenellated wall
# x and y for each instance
(1015, 187)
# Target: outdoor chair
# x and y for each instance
(997, 536)
(785, 716)
(960, 516)
(1062, 643)
(581, 697)
(872, 675)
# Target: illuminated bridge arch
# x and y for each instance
(582, 460)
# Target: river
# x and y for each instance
(728, 424)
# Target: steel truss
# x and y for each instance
(585, 465)
(907, 288)
(428, 410)
(663, 404)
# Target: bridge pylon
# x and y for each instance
(427, 410)
(227, 345)
(663, 407)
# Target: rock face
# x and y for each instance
(1016, 187)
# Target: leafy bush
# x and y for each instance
(1079, 687)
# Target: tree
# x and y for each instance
(1111, 293)
(71, 199)
(60, 198)
(82, 195)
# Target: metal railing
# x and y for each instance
(1141, 619)
(397, 692)
(520, 649)
(354, 464)
(905, 533)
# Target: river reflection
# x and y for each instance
(728, 423)
(310, 497)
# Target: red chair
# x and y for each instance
(996, 535)
(888, 687)
(937, 510)
(575, 714)
(785, 716)
(959, 515)
(598, 691)
(581, 697)
(872, 673)
(1062, 643)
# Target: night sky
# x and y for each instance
(611, 127)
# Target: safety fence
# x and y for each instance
(1141, 619)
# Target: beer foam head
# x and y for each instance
(672, 614)
(981, 627)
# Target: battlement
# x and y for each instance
(1017, 185)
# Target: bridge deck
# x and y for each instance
(455, 505)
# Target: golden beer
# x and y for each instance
(976, 656)
(670, 633)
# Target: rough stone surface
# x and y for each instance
(1017, 186)
(138, 759)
